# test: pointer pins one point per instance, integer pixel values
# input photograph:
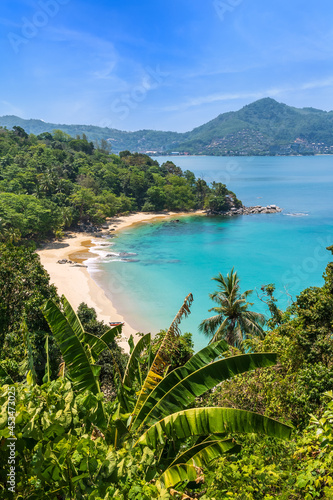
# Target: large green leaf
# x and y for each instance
(99, 344)
(83, 373)
(73, 319)
(203, 453)
(179, 389)
(110, 334)
(177, 474)
(206, 355)
(132, 364)
(182, 469)
(206, 421)
(198, 360)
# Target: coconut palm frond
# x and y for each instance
(221, 333)
(208, 326)
(256, 318)
(252, 324)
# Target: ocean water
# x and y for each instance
(148, 270)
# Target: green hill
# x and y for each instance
(264, 127)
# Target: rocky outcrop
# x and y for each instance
(88, 228)
(258, 209)
(73, 263)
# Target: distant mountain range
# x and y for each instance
(264, 127)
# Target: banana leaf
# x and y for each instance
(198, 360)
(32, 376)
(203, 453)
(132, 364)
(82, 372)
(73, 319)
(178, 390)
(98, 344)
(206, 355)
(177, 474)
(205, 421)
(131, 343)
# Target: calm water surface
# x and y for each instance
(150, 269)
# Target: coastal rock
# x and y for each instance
(89, 228)
(258, 209)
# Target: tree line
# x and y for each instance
(52, 182)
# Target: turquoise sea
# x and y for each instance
(151, 268)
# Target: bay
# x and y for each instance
(154, 266)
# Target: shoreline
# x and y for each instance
(77, 284)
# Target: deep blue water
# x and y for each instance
(168, 260)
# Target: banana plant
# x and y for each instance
(79, 349)
(160, 418)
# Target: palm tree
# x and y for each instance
(232, 322)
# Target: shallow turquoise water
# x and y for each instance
(167, 260)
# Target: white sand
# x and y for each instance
(76, 283)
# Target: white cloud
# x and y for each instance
(269, 92)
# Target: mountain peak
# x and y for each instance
(263, 127)
(267, 101)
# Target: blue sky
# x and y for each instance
(166, 65)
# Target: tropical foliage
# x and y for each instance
(232, 321)
(52, 182)
(300, 469)
(149, 431)
(303, 338)
(24, 288)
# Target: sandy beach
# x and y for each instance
(76, 283)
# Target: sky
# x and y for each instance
(161, 64)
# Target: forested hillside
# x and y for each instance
(264, 127)
(52, 182)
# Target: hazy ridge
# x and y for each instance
(264, 127)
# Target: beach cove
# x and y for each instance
(142, 276)
(159, 263)
(76, 283)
